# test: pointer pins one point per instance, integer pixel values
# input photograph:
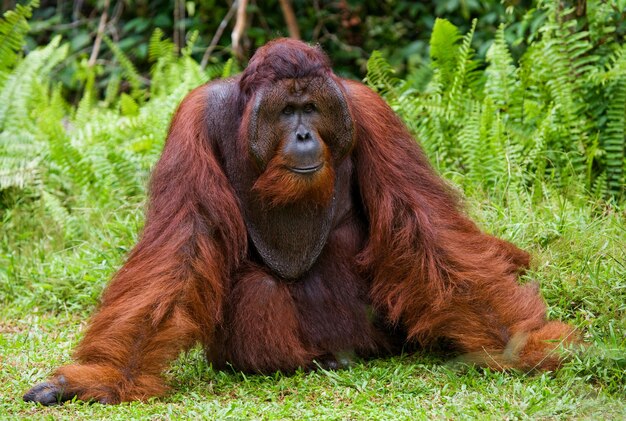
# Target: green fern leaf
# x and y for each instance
(16, 94)
(128, 68)
(380, 75)
(613, 138)
(13, 28)
(444, 50)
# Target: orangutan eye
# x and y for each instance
(288, 110)
(309, 108)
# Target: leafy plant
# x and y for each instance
(557, 114)
(13, 28)
(65, 169)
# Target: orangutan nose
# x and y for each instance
(303, 135)
(304, 154)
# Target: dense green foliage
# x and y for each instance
(556, 116)
(537, 143)
(348, 30)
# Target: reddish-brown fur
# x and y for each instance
(278, 186)
(400, 264)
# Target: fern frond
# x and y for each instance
(113, 87)
(500, 73)
(21, 84)
(159, 48)
(559, 68)
(613, 134)
(128, 106)
(469, 142)
(128, 69)
(613, 137)
(13, 27)
(463, 74)
(89, 98)
(20, 156)
(230, 68)
(380, 75)
(54, 208)
(191, 41)
(444, 50)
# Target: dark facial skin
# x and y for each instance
(302, 149)
(302, 117)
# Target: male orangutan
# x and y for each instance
(292, 220)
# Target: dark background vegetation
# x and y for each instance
(348, 30)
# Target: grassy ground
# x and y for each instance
(580, 258)
(408, 387)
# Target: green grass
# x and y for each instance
(580, 258)
(410, 387)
